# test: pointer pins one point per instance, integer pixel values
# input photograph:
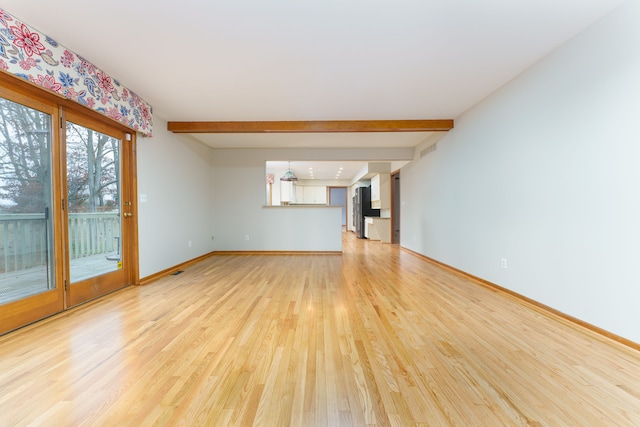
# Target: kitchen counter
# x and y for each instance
(307, 228)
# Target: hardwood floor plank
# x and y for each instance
(373, 337)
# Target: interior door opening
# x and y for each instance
(338, 197)
(395, 207)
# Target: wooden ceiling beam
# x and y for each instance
(312, 126)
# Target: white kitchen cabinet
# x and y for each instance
(381, 191)
(315, 195)
(286, 192)
(299, 193)
(378, 229)
(311, 194)
(375, 188)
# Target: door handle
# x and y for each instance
(127, 214)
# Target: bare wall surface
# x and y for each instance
(544, 175)
(174, 175)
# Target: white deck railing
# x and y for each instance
(23, 238)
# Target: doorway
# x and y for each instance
(395, 207)
(338, 197)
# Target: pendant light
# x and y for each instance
(289, 175)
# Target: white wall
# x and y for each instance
(174, 172)
(239, 212)
(546, 173)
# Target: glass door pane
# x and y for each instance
(93, 200)
(26, 251)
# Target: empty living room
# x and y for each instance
(319, 214)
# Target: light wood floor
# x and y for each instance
(376, 336)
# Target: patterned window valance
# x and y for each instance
(37, 58)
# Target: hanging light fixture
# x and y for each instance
(289, 175)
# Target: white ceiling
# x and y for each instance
(258, 60)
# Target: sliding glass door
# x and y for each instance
(29, 279)
(67, 224)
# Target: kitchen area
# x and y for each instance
(372, 208)
(365, 194)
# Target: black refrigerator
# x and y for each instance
(362, 208)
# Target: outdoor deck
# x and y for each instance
(15, 285)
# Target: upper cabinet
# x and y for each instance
(381, 191)
(310, 194)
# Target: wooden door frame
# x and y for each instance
(134, 272)
(35, 307)
(97, 286)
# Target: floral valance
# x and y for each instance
(37, 58)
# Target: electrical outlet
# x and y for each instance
(190, 243)
(504, 263)
(246, 237)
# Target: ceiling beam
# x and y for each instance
(312, 126)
